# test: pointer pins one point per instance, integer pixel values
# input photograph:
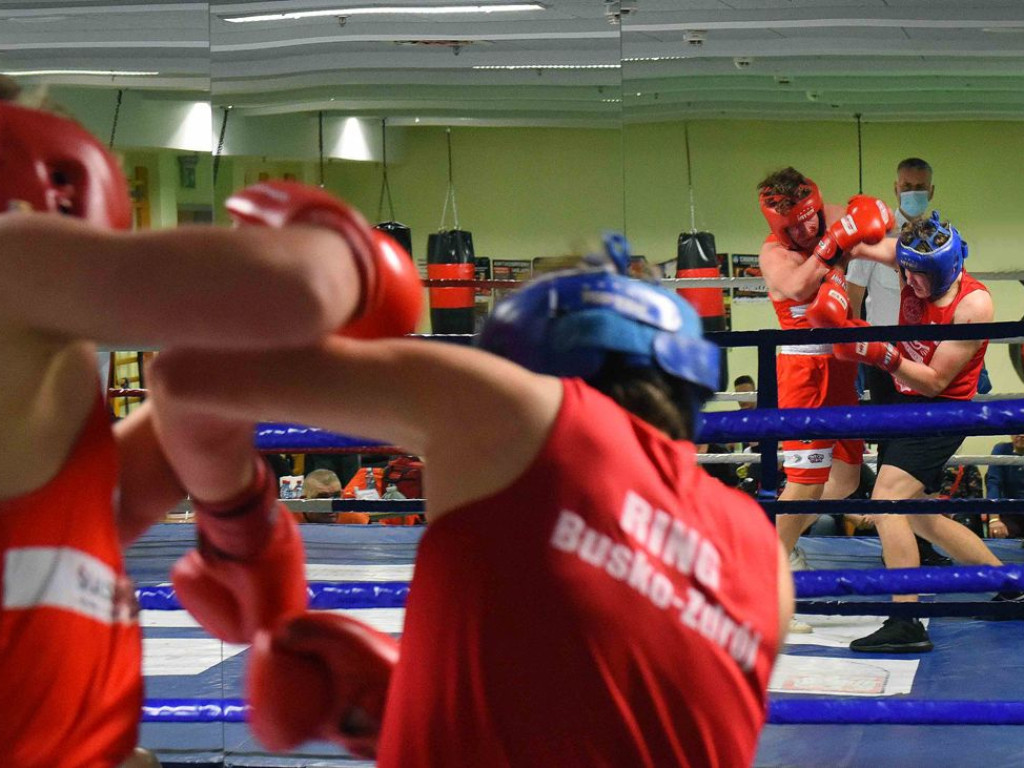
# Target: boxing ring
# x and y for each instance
(962, 704)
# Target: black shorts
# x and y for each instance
(923, 457)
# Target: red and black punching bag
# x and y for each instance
(696, 256)
(450, 257)
(400, 233)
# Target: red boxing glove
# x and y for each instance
(867, 219)
(872, 216)
(248, 572)
(881, 354)
(831, 307)
(320, 676)
(391, 291)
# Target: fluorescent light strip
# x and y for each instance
(547, 66)
(636, 59)
(390, 10)
(89, 72)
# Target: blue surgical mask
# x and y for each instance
(914, 203)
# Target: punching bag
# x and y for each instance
(450, 257)
(696, 256)
(400, 233)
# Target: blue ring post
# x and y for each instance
(768, 397)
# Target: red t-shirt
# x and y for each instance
(70, 645)
(915, 311)
(614, 606)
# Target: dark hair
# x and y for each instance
(913, 164)
(744, 379)
(663, 401)
(788, 183)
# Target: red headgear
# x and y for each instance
(53, 164)
(802, 210)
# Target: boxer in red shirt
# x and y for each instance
(808, 240)
(935, 289)
(74, 491)
(584, 593)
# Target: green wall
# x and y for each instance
(974, 164)
(527, 192)
(523, 192)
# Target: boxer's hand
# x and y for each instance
(320, 676)
(391, 296)
(881, 354)
(872, 217)
(831, 307)
(248, 572)
(867, 219)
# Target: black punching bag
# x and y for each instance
(450, 257)
(696, 256)
(400, 233)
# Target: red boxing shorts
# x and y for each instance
(810, 381)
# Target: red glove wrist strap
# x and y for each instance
(240, 527)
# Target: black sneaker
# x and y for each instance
(897, 635)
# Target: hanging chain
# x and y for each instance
(450, 194)
(385, 187)
(220, 143)
(117, 114)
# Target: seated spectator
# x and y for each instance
(1006, 482)
(724, 472)
(325, 484)
(964, 482)
(745, 384)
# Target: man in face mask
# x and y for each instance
(914, 189)
(914, 192)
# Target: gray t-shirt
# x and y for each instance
(883, 290)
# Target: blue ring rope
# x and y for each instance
(773, 507)
(194, 711)
(819, 710)
(323, 595)
(908, 581)
(1002, 611)
(809, 584)
(815, 710)
(945, 417)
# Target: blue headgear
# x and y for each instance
(566, 323)
(940, 253)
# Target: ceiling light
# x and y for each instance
(390, 10)
(89, 72)
(547, 66)
(640, 59)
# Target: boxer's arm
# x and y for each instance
(787, 276)
(477, 419)
(950, 356)
(215, 461)
(203, 286)
(882, 252)
(148, 486)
